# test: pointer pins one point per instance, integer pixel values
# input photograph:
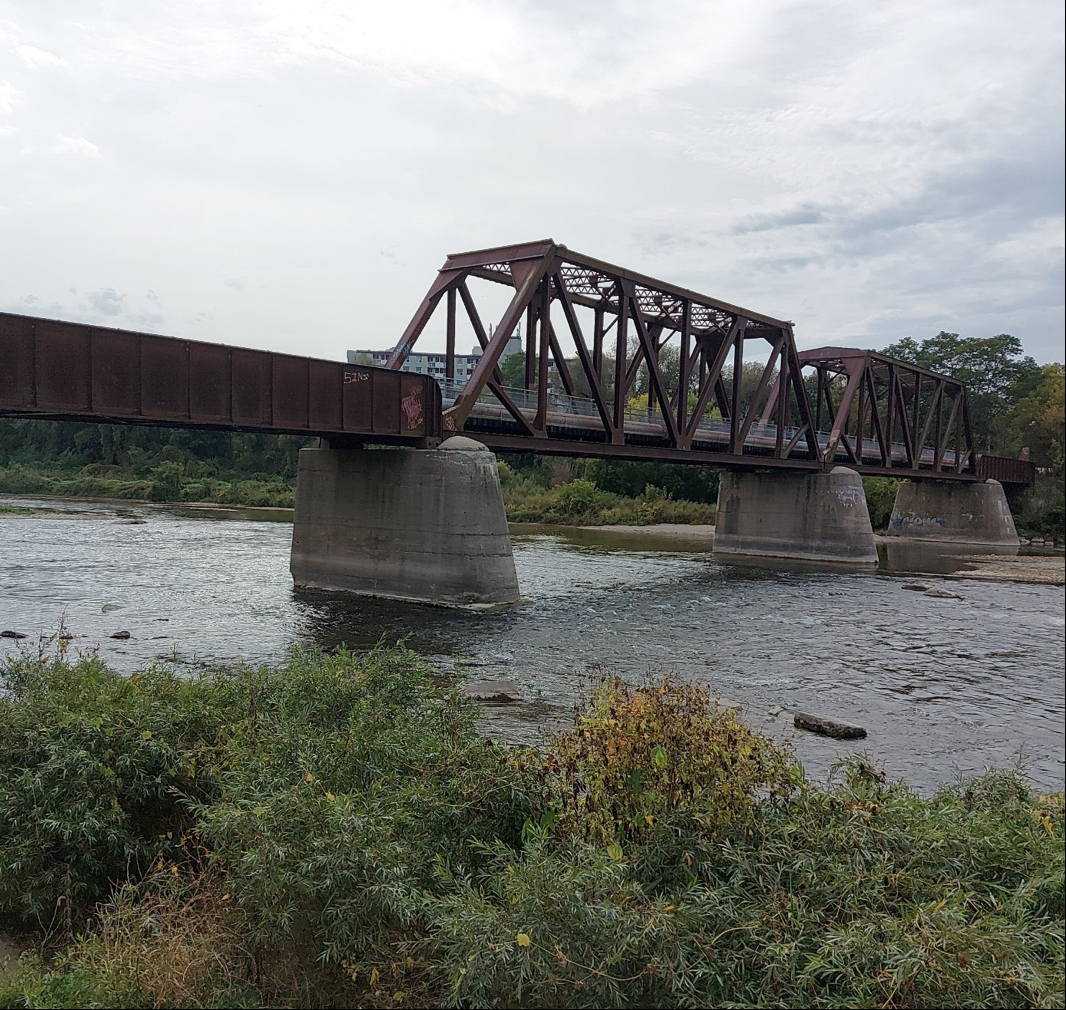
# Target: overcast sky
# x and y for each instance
(290, 174)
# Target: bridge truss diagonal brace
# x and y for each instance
(527, 279)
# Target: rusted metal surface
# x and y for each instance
(70, 371)
(1005, 469)
(810, 410)
(890, 411)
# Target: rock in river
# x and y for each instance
(121, 634)
(499, 692)
(11, 634)
(828, 727)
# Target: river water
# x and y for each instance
(943, 686)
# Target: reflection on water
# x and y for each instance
(939, 684)
(895, 555)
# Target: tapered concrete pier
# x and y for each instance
(426, 525)
(802, 517)
(975, 513)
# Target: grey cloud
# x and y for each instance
(803, 214)
(106, 301)
(144, 320)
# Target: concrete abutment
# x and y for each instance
(413, 524)
(954, 512)
(819, 517)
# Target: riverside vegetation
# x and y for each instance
(333, 831)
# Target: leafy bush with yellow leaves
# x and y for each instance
(663, 758)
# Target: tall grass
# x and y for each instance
(333, 831)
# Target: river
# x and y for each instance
(943, 686)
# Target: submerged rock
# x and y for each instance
(824, 726)
(11, 634)
(943, 594)
(918, 587)
(121, 634)
(498, 692)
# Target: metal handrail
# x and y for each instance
(561, 405)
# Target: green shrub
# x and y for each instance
(170, 481)
(94, 771)
(340, 835)
(166, 481)
(173, 941)
(657, 761)
(880, 499)
(542, 930)
(580, 503)
(862, 894)
(341, 796)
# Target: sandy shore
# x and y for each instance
(1040, 570)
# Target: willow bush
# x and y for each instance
(333, 831)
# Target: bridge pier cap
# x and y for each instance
(424, 525)
(818, 517)
(945, 511)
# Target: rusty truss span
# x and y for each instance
(808, 410)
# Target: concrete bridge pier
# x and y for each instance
(951, 512)
(426, 525)
(819, 517)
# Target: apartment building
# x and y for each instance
(433, 363)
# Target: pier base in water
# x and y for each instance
(975, 513)
(412, 524)
(818, 517)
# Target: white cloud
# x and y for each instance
(106, 301)
(35, 58)
(8, 91)
(76, 145)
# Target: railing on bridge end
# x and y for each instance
(1005, 469)
(70, 371)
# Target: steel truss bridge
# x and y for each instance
(811, 410)
(808, 411)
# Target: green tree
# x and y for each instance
(1038, 422)
(1038, 419)
(514, 370)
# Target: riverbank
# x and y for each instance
(333, 831)
(163, 483)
